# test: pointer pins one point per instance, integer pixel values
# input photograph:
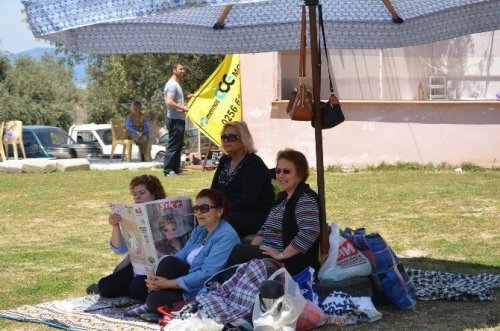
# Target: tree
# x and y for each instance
(39, 92)
(116, 80)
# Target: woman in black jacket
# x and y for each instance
(244, 179)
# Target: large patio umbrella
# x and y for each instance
(251, 26)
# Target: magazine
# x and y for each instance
(154, 229)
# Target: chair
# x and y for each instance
(120, 137)
(2, 152)
(16, 127)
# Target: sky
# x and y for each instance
(15, 35)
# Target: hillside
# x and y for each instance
(37, 53)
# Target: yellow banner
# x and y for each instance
(218, 100)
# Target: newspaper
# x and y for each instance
(154, 229)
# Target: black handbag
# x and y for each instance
(331, 112)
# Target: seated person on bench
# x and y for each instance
(137, 125)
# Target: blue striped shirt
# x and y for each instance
(307, 216)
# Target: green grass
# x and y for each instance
(54, 232)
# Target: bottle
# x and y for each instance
(421, 94)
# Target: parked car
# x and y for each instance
(42, 141)
(190, 141)
(98, 140)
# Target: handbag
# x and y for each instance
(301, 100)
(331, 112)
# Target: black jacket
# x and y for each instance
(290, 229)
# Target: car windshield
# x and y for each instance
(53, 138)
(106, 136)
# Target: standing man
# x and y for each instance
(175, 120)
(137, 125)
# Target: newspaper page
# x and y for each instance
(154, 229)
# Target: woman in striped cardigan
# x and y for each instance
(291, 232)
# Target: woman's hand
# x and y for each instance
(114, 219)
(156, 283)
(256, 241)
(274, 253)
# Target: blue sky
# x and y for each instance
(15, 35)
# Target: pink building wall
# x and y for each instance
(377, 93)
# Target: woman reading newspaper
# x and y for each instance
(181, 276)
(124, 282)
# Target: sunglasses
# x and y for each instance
(229, 137)
(284, 170)
(204, 208)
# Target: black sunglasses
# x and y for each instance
(204, 208)
(229, 137)
(285, 171)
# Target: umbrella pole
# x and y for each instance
(316, 77)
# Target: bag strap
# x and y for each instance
(322, 26)
(302, 58)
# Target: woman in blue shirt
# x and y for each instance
(182, 276)
(124, 282)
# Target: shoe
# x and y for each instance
(171, 173)
(93, 289)
(137, 311)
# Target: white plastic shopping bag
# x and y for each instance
(344, 260)
(284, 311)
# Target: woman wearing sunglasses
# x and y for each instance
(181, 276)
(244, 179)
(291, 232)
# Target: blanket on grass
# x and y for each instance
(87, 313)
(437, 285)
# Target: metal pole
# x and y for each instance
(316, 77)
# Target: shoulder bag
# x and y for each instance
(331, 113)
(300, 104)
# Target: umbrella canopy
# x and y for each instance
(159, 26)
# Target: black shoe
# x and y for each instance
(93, 289)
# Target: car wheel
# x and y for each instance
(61, 152)
(160, 155)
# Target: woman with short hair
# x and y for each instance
(181, 276)
(291, 232)
(124, 282)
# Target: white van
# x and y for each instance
(101, 134)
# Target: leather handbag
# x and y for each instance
(331, 112)
(300, 104)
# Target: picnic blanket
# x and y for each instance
(86, 313)
(436, 285)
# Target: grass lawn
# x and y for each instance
(54, 233)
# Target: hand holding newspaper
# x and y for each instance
(154, 229)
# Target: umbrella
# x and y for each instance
(251, 26)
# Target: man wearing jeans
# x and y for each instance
(175, 120)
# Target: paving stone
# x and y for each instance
(12, 166)
(39, 165)
(73, 164)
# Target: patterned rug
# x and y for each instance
(86, 313)
(437, 285)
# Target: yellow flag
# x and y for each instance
(218, 100)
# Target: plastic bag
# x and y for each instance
(344, 259)
(311, 317)
(305, 280)
(342, 309)
(284, 312)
